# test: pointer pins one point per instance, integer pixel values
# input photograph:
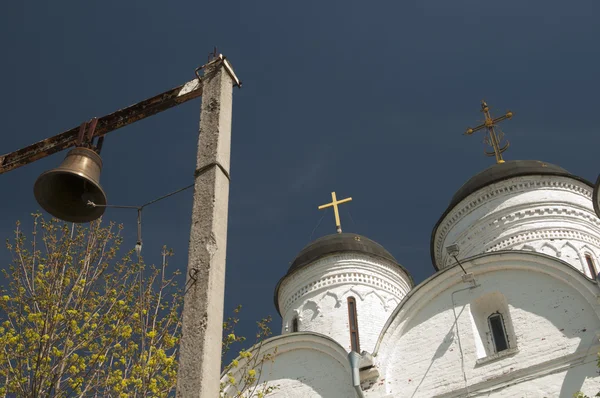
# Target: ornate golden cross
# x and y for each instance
(335, 203)
(494, 140)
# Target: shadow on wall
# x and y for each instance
(550, 319)
(574, 379)
(440, 352)
(571, 316)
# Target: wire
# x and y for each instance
(351, 218)
(167, 195)
(90, 203)
(138, 246)
(319, 223)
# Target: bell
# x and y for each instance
(64, 192)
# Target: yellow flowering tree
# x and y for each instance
(76, 321)
(249, 364)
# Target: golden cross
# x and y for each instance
(489, 123)
(335, 203)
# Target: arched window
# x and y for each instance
(353, 322)
(498, 332)
(295, 324)
(495, 333)
(591, 265)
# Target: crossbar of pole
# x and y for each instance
(106, 124)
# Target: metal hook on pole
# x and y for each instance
(192, 281)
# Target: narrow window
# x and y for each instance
(591, 266)
(354, 341)
(499, 339)
(295, 324)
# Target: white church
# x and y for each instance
(511, 311)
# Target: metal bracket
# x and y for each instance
(85, 137)
(204, 168)
(468, 278)
(219, 59)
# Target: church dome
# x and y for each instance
(333, 244)
(333, 274)
(506, 170)
(337, 243)
(520, 205)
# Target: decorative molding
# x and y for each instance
(519, 218)
(509, 241)
(338, 301)
(511, 187)
(392, 302)
(569, 244)
(542, 234)
(363, 296)
(555, 251)
(311, 305)
(342, 260)
(593, 252)
(522, 217)
(353, 291)
(527, 238)
(343, 270)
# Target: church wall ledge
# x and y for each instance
(495, 357)
(496, 383)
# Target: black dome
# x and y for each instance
(504, 171)
(497, 173)
(336, 243)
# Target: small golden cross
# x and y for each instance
(335, 203)
(489, 123)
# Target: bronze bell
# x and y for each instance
(64, 192)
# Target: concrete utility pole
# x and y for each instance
(202, 329)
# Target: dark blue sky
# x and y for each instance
(369, 99)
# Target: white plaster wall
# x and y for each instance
(559, 385)
(308, 373)
(547, 214)
(431, 349)
(317, 295)
(303, 365)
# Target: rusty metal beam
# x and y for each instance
(106, 124)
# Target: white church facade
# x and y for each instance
(513, 309)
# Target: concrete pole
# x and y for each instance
(202, 317)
